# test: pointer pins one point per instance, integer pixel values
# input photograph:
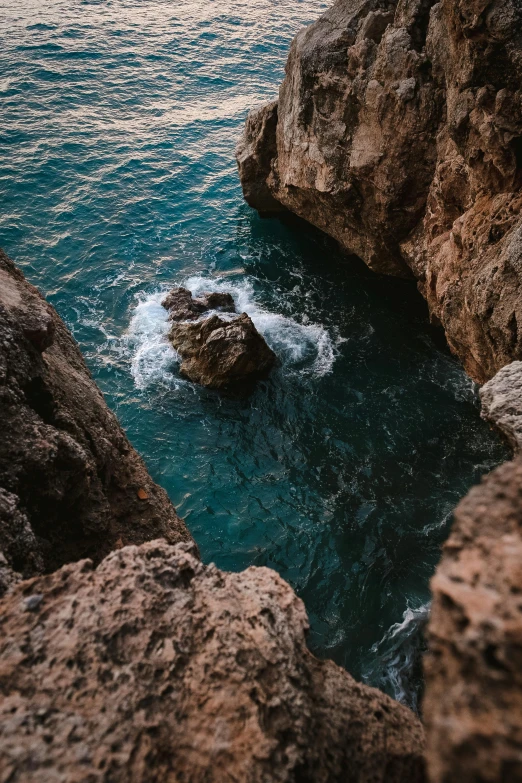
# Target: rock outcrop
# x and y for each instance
(472, 709)
(398, 131)
(215, 352)
(501, 399)
(71, 485)
(154, 667)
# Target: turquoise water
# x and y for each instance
(117, 179)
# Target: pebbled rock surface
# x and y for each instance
(71, 485)
(398, 131)
(472, 709)
(501, 399)
(154, 667)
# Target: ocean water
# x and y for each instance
(117, 181)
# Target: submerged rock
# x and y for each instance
(69, 478)
(217, 353)
(154, 667)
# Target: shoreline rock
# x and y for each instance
(71, 485)
(217, 353)
(155, 667)
(398, 131)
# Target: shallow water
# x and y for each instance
(118, 181)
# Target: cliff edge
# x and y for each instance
(71, 485)
(398, 131)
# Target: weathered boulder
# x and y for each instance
(398, 131)
(472, 707)
(154, 667)
(71, 485)
(182, 306)
(221, 354)
(501, 399)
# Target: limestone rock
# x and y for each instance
(501, 401)
(154, 667)
(221, 354)
(398, 131)
(69, 478)
(473, 704)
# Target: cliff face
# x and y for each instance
(71, 485)
(154, 667)
(150, 667)
(398, 131)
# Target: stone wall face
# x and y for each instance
(398, 131)
(71, 485)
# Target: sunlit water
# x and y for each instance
(119, 120)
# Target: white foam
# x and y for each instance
(305, 348)
(153, 357)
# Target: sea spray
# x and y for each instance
(302, 348)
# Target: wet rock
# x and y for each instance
(182, 306)
(68, 474)
(154, 667)
(221, 354)
(501, 401)
(398, 131)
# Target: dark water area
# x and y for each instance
(117, 180)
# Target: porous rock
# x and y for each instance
(472, 709)
(501, 399)
(154, 667)
(398, 131)
(71, 485)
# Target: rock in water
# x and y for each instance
(68, 475)
(156, 668)
(215, 352)
(220, 354)
(183, 307)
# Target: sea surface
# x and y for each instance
(118, 181)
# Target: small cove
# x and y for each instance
(118, 181)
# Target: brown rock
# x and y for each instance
(399, 132)
(183, 307)
(68, 475)
(473, 704)
(154, 667)
(220, 354)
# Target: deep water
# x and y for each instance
(117, 180)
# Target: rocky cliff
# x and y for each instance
(71, 485)
(398, 130)
(147, 665)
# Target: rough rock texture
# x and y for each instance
(501, 399)
(154, 667)
(399, 132)
(473, 704)
(182, 306)
(222, 354)
(71, 485)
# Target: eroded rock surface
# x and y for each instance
(398, 131)
(473, 704)
(71, 485)
(501, 401)
(217, 353)
(154, 667)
